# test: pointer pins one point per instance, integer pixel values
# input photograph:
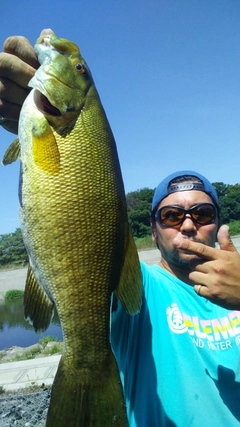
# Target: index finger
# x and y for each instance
(199, 249)
(16, 70)
(21, 47)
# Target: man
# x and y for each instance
(178, 357)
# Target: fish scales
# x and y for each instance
(75, 228)
(64, 223)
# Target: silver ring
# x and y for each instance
(2, 119)
(199, 289)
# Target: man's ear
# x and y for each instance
(154, 230)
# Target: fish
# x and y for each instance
(74, 223)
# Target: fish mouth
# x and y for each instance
(44, 105)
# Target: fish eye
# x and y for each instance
(80, 68)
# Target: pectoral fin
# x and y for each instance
(12, 153)
(45, 150)
(38, 308)
(129, 290)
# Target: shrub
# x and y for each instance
(45, 340)
(14, 293)
(146, 242)
(234, 228)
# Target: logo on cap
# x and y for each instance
(185, 187)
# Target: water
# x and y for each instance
(16, 331)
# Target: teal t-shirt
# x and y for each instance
(179, 358)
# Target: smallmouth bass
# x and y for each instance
(75, 228)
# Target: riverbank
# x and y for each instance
(35, 351)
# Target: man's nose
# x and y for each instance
(188, 224)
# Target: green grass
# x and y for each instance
(56, 349)
(45, 340)
(31, 354)
(18, 266)
(14, 293)
(27, 355)
(38, 350)
(234, 228)
(145, 243)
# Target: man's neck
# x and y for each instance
(181, 273)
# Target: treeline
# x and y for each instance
(12, 250)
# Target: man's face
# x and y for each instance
(188, 229)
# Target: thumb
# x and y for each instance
(224, 239)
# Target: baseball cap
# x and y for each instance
(163, 189)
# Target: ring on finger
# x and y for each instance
(2, 119)
(199, 290)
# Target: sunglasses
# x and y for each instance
(170, 216)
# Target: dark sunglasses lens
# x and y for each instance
(170, 216)
(204, 214)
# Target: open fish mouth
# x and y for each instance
(43, 104)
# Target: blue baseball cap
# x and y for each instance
(164, 189)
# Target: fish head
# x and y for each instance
(63, 80)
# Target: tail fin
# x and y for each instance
(84, 399)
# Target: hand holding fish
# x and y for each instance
(18, 63)
(216, 273)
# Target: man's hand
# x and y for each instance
(216, 272)
(18, 63)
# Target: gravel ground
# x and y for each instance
(24, 409)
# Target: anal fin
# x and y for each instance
(38, 308)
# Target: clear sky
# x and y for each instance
(168, 74)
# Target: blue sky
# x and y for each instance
(168, 74)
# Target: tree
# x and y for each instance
(221, 188)
(12, 249)
(139, 211)
(229, 201)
